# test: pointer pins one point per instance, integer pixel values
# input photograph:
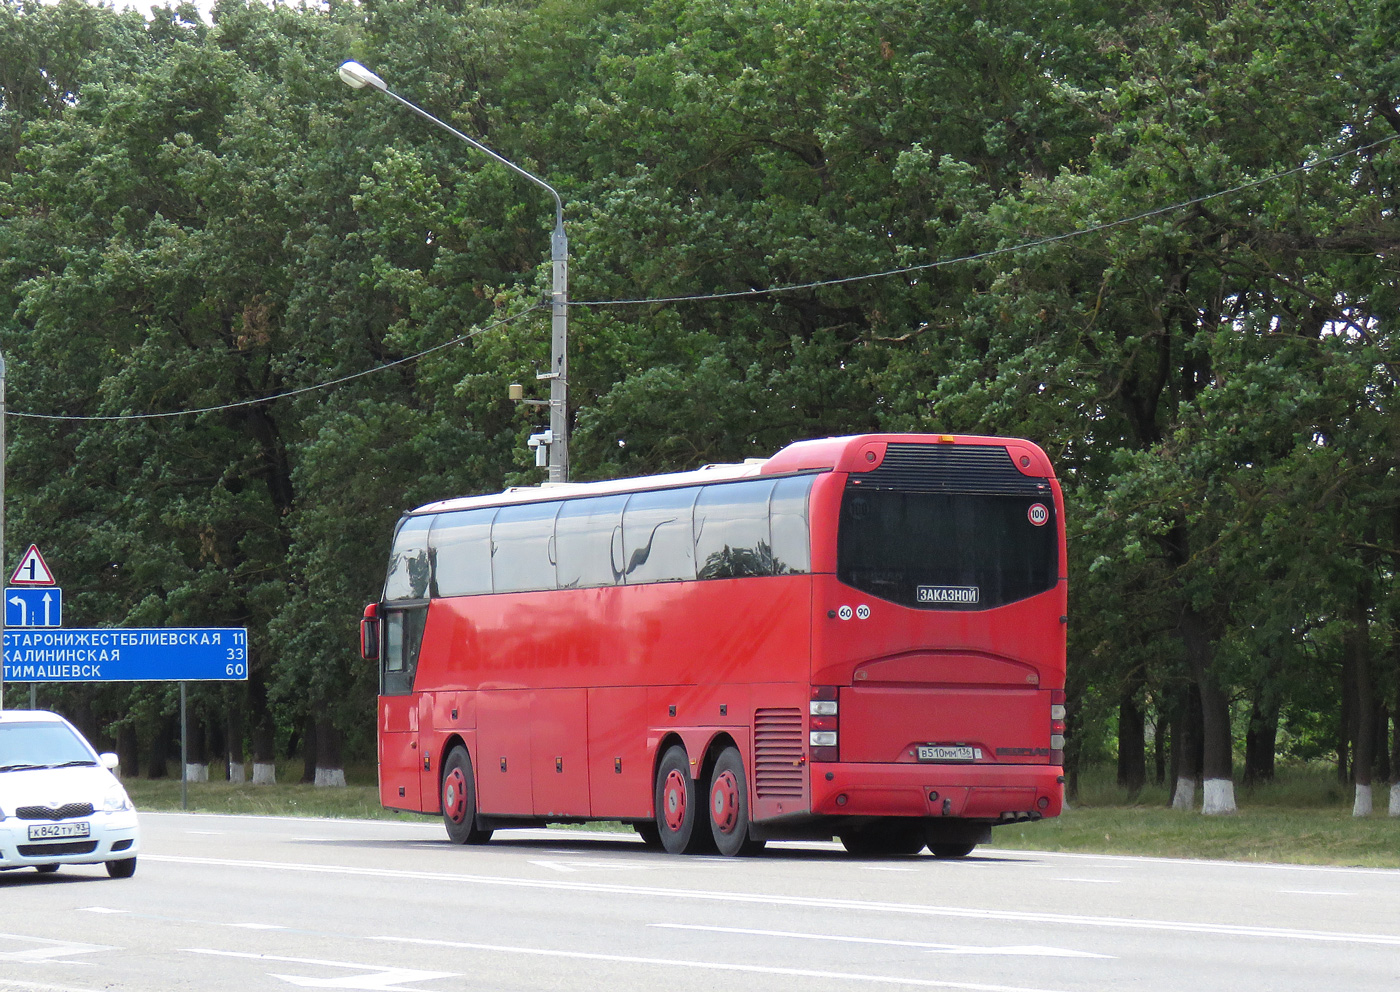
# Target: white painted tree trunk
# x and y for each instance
(237, 772)
(1362, 805)
(1395, 799)
(1219, 797)
(1185, 795)
(331, 777)
(196, 772)
(264, 773)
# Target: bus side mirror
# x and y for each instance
(369, 633)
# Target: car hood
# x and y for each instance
(54, 787)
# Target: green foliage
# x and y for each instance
(200, 217)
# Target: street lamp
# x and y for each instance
(553, 444)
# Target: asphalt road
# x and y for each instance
(250, 903)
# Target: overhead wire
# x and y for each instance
(753, 293)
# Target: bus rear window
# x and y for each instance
(947, 550)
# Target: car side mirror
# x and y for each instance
(109, 760)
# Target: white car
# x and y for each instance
(60, 804)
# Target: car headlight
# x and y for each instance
(116, 801)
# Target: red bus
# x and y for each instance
(859, 637)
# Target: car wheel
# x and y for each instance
(124, 868)
(46, 869)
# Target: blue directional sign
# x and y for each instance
(34, 606)
(165, 654)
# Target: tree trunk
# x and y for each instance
(166, 732)
(308, 750)
(237, 772)
(1261, 739)
(1357, 648)
(196, 750)
(128, 750)
(1132, 743)
(1161, 740)
(330, 768)
(1217, 756)
(264, 735)
(1186, 749)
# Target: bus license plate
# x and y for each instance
(947, 752)
(58, 831)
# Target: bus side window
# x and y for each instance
(657, 542)
(409, 569)
(792, 540)
(461, 546)
(520, 548)
(583, 537)
(403, 636)
(731, 530)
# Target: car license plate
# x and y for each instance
(949, 752)
(58, 831)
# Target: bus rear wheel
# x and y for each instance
(458, 793)
(681, 816)
(729, 806)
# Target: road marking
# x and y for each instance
(100, 909)
(883, 868)
(1313, 892)
(1015, 950)
(567, 867)
(256, 926)
(374, 976)
(15, 983)
(48, 949)
(671, 963)
(805, 902)
(1093, 881)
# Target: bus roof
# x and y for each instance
(801, 457)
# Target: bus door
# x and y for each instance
(399, 758)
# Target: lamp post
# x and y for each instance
(555, 441)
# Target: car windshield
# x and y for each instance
(41, 745)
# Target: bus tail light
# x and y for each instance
(1057, 726)
(823, 743)
(369, 633)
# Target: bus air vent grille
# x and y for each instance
(962, 468)
(778, 754)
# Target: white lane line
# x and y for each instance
(101, 909)
(1017, 950)
(1144, 861)
(671, 963)
(256, 926)
(373, 976)
(568, 867)
(1095, 881)
(806, 902)
(15, 983)
(1314, 892)
(48, 949)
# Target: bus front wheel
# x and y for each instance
(458, 794)
(680, 810)
(729, 806)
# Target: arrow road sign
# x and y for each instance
(36, 607)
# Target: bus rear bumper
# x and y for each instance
(996, 793)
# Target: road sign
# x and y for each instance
(40, 606)
(33, 570)
(174, 654)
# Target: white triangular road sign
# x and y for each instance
(33, 570)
